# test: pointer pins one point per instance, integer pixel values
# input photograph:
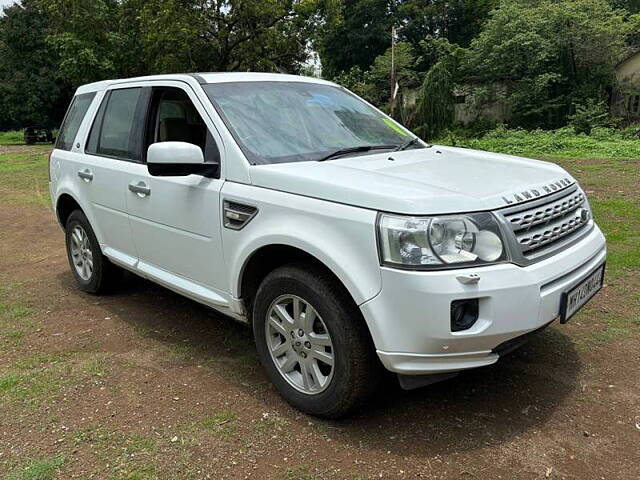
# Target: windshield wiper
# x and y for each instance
(361, 148)
(407, 144)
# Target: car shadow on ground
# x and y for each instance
(479, 408)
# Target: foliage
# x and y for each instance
(30, 93)
(550, 54)
(561, 143)
(87, 50)
(356, 35)
(53, 46)
(591, 114)
(436, 100)
(545, 57)
(265, 35)
(633, 6)
(458, 21)
(360, 30)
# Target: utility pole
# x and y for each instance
(392, 81)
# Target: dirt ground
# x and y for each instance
(144, 384)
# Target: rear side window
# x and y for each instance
(114, 133)
(73, 119)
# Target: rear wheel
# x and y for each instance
(93, 272)
(312, 342)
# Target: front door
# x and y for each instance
(176, 220)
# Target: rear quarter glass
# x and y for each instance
(73, 119)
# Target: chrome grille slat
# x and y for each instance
(548, 233)
(544, 224)
(536, 216)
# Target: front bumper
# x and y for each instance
(409, 319)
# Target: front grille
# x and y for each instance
(540, 227)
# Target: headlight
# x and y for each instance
(439, 242)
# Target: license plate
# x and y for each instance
(575, 298)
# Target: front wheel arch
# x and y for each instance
(267, 258)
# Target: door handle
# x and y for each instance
(140, 188)
(86, 175)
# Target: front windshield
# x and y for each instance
(276, 122)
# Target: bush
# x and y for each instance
(588, 116)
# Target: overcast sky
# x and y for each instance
(4, 3)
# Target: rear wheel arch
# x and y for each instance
(65, 205)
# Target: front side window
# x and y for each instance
(178, 120)
(174, 118)
(277, 122)
(113, 133)
(73, 119)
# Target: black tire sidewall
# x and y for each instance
(338, 398)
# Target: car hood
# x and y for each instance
(432, 180)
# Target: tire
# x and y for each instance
(356, 369)
(103, 275)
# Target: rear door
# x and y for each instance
(176, 224)
(112, 150)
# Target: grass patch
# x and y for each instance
(14, 312)
(97, 367)
(19, 312)
(42, 469)
(126, 456)
(562, 143)
(33, 381)
(616, 325)
(271, 423)
(29, 387)
(25, 177)
(40, 360)
(13, 326)
(12, 137)
(620, 221)
(182, 351)
(300, 472)
(221, 423)
(14, 335)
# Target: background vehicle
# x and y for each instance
(347, 243)
(35, 134)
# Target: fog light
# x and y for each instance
(464, 314)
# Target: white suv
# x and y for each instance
(345, 241)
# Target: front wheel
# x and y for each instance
(312, 342)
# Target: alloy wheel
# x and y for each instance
(299, 343)
(81, 253)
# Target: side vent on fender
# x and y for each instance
(237, 215)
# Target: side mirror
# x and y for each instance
(173, 159)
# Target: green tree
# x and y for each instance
(632, 6)
(30, 92)
(85, 35)
(227, 35)
(550, 55)
(459, 21)
(379, 75)
(356, 36)
(436, 100)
